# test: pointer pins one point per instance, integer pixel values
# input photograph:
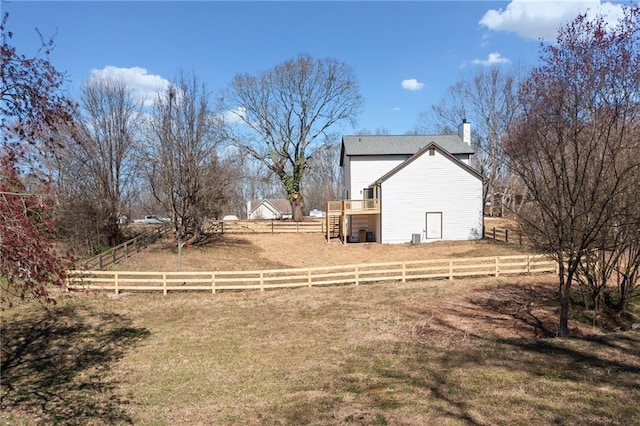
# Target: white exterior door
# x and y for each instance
(434, 226)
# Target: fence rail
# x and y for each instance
(124, 250)
(214, 281)
(504, 236)
(263, 227)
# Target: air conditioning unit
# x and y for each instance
(415, 238)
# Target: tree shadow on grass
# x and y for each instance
(501, 335)
(58, 367)
(609, 362)
(600, 376)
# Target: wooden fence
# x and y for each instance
(263, 227)
(124, 250)
(308, 277)
(503, 235)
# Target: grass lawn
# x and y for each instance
(442, 353)
(232, 252)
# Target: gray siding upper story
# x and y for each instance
(403, 145)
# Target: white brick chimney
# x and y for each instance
(464, 131)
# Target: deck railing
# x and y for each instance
(370, 206)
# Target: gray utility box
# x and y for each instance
(415, 238)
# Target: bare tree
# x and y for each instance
(252, 181)
(378, 131)
(324, 180)
(182, 162)
(285, 112)
(575, 147)
(488, 100)
(446, 115)
(103, 157)
(609, 273)
(81, 223)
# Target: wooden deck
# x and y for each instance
(337, 212)
(337, 208)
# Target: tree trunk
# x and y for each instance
(296, 209)
(565, 299)
(624, 295)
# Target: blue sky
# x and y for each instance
(404, 54)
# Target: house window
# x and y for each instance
(367, 193)
(432, 151)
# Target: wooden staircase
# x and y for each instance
(333, 226)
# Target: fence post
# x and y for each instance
(494, 233)
(164, 284)
(297, 227)
(213, 283)
(309, 277)
(126, 253)
(450, 270)
(261, 281)
(116, 282)
(272, 226)
(404, 272)
(113, 255)
(357, 275)
(520, 238)
(497, 266)
(506, 236)
(100, 262)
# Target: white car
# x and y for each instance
(152, 219)
(317, 213)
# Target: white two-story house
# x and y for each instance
(408, 188)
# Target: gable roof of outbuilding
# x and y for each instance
(280, 205)
(400, 144)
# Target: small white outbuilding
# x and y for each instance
(269, 208)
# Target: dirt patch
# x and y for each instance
(514, 307)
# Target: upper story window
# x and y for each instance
(367, 193)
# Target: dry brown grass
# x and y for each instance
(461, 352)
(468, 351)
(232, 252)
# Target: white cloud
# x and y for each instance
(493, 58)
(541, 19)
(485, 40)
(235, 116)
(412, 84)
(144, 85)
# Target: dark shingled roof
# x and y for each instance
(400, 144)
